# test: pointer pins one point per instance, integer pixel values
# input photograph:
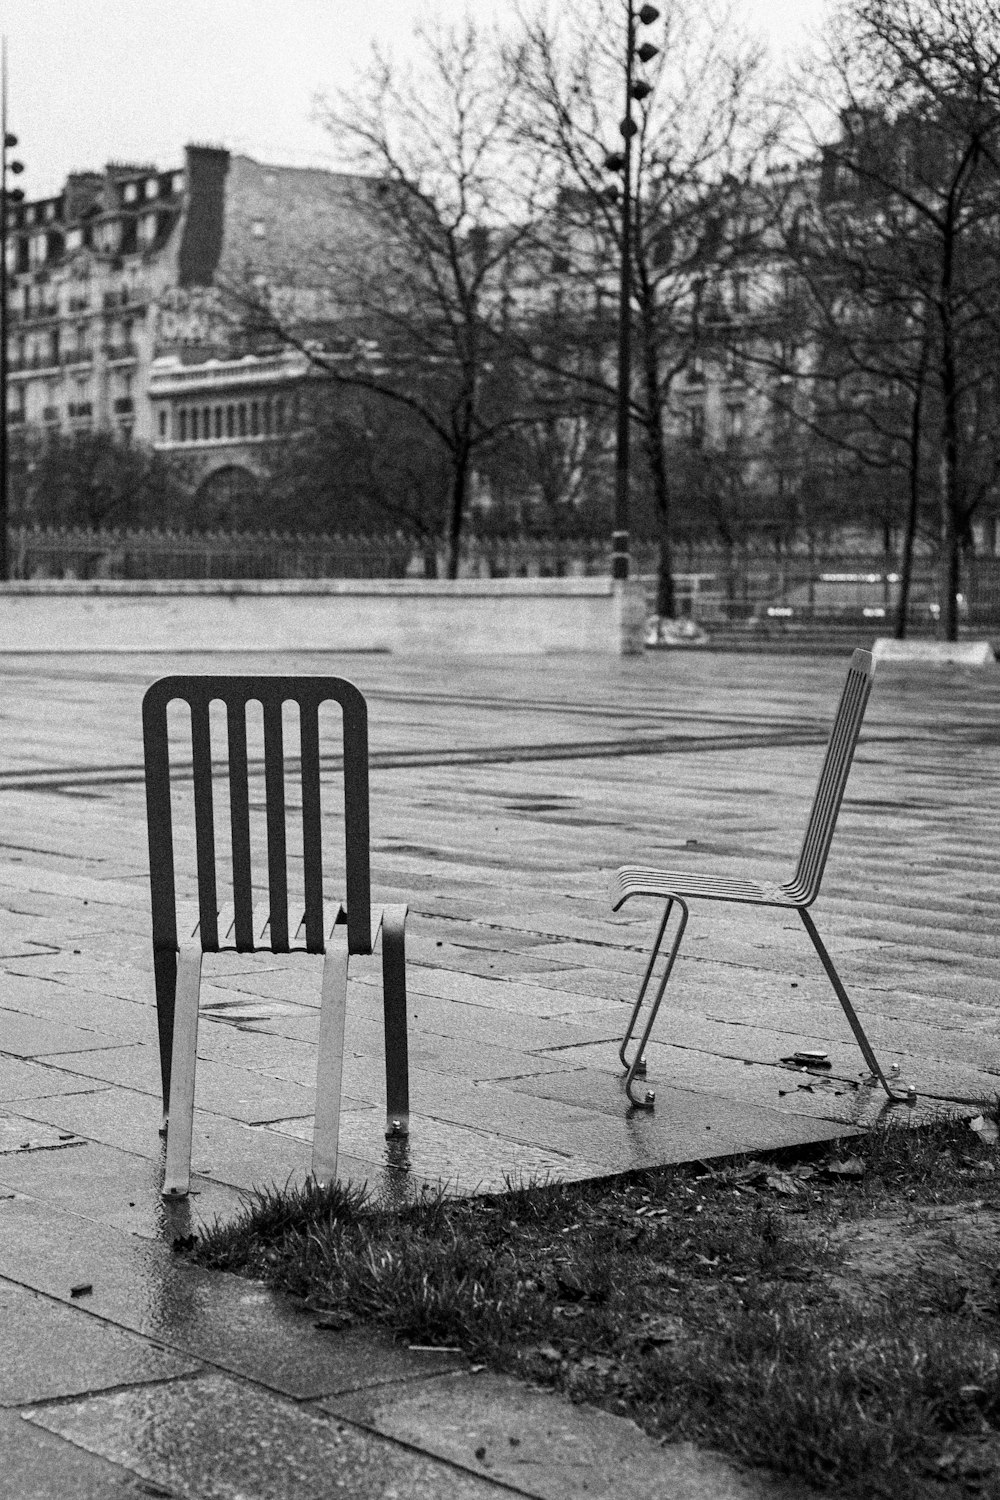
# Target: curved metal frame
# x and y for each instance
(799, 892)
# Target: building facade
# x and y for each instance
(124, 308)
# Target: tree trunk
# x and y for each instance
(950, 494)
(948, 562)
(913, 505)
(456, 511)
(666, 602)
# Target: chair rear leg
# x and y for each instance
(849, 1011)
(638, 1064)
(165, 984)
(330, 1058)
(183, 1060)
(397, 1067)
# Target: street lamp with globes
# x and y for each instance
(621, 162)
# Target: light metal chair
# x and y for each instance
(335, 929)
(678, 887)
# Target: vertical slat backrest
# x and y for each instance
(805, 883)
(272, 692)
(239, 817)
(274, 797)
(312, 844)
(204, 823)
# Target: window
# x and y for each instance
(254, 419)
(266, 416)
(257, 229)
(735, 423)
(152, 187)
(242, 414)
(194, 424)
(163, 424)
(182, 425)
(218, 421)
(739, 285)
(696, 370)
(206, 422)
(279, 414)
(230, 421)
(696, 426)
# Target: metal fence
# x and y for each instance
(79, 552)
(712, 584)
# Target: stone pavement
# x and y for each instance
(503, 794)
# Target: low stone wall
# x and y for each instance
(469, 616)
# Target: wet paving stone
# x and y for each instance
(216, 1438)
(52, 1350)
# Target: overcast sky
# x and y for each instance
(135, 80)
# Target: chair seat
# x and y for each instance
(642, 880)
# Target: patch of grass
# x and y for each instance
(773, 1309)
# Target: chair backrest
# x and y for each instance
(803, 888)
(271, 692)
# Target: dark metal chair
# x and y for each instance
(336, 929)
(677, 887)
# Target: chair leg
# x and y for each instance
(330, 1059)
(397, 1068)
(849, 1011)
(643, 987)
(638, 1066)
(165, 984)
(183, 1060)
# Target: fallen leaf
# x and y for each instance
(547, 1352)
(781, 1182)
(851, 1166)
(82, 1289)
(985, 1129)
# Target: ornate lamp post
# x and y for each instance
(621, 161)
(7, 195)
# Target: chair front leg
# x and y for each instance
(183, 1061)
(330, 1058)
(645, 984)
(639, 1062)
(397, 1068)
(638, 1066)
(859, 1032)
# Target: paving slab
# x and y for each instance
(39, 1465)
(216, 1439)
(547, 1447)
(53, 1350)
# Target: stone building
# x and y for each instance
(126, 309)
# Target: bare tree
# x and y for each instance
(904, 258)
(705, 130)
(418, 290)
